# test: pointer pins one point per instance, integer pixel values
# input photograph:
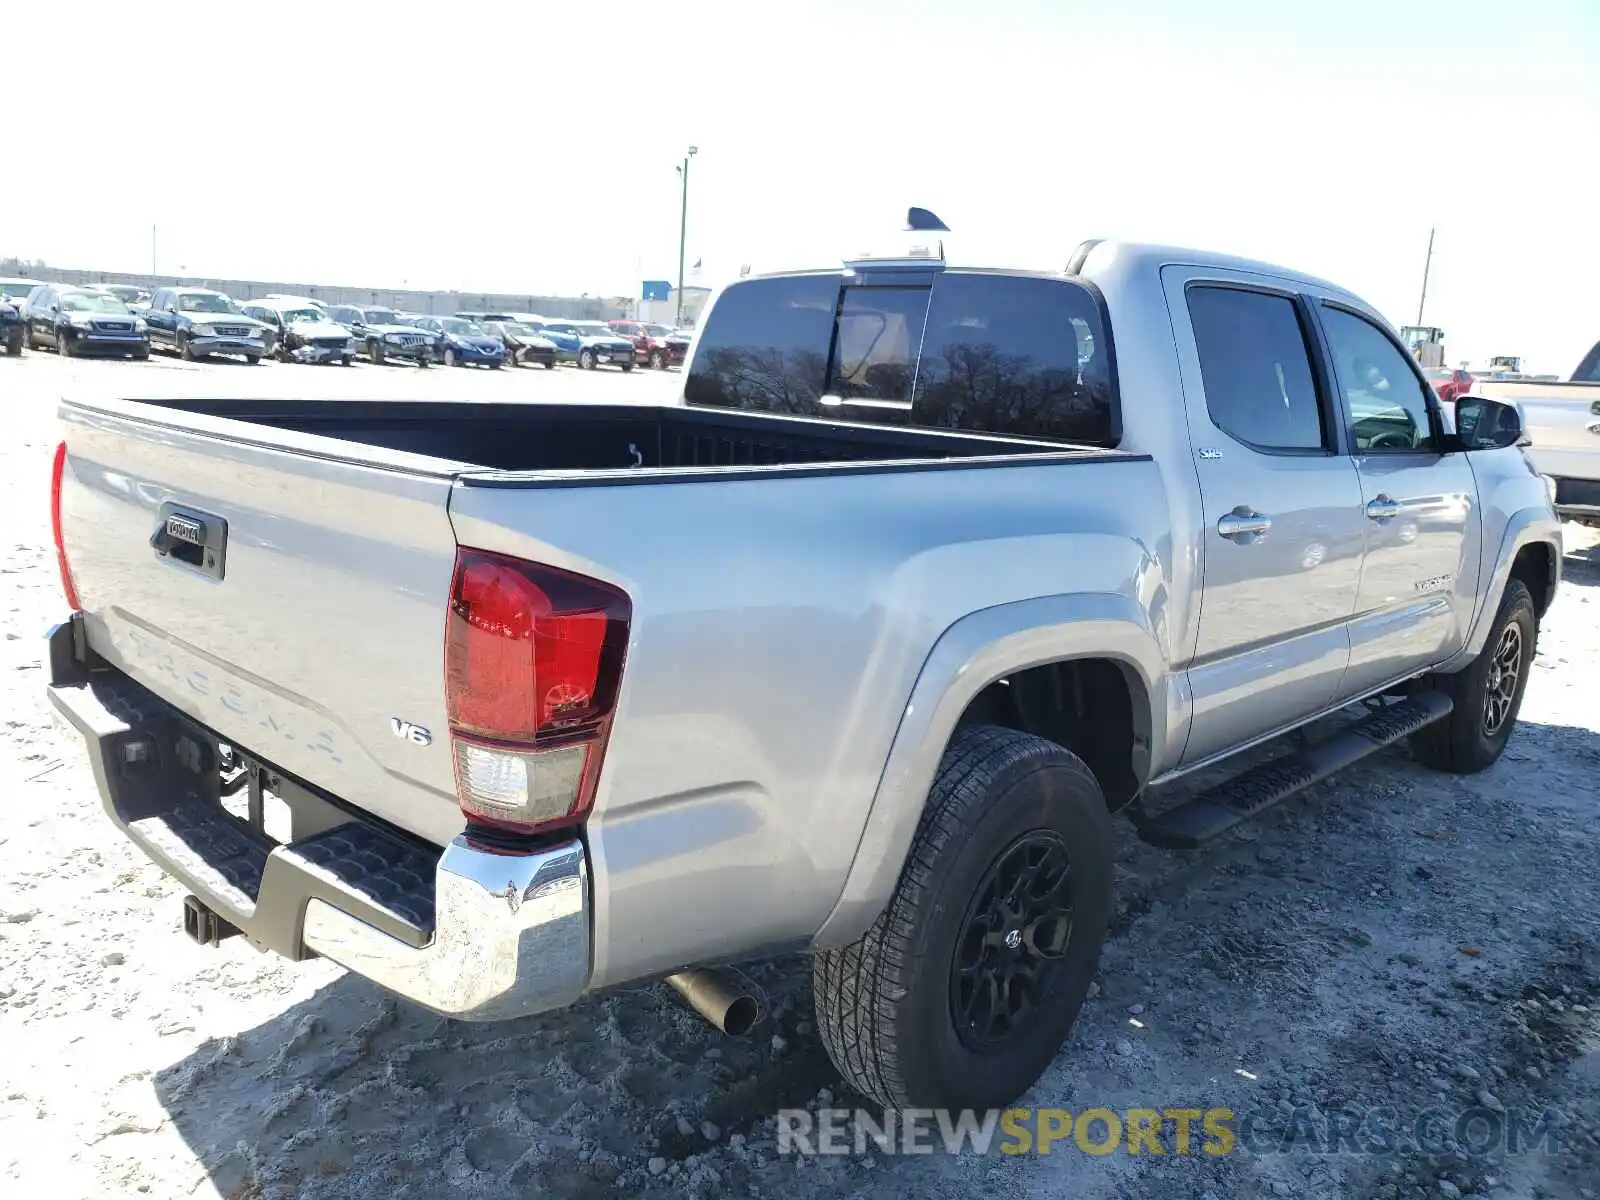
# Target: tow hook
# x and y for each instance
(203, 924)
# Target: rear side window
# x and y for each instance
(1256, 368)
(1007, 354)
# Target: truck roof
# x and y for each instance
(1096, 257)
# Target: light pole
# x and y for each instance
(1427, 263)
(683, 224)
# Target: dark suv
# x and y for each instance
(75, 320)
(382, 333)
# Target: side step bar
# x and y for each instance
(1252, 792)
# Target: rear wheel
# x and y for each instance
(1487, 695)
(962, 991)
(550, 364)
(14, 340)
(626, 367)
(344, 360)
(253, 359)
(142, 354)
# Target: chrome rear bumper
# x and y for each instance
(475, 933)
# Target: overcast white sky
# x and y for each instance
(268, 140)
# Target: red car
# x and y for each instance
(653, 345)
(1449, 383)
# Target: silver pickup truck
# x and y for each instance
(1563, 432)
(854, 652)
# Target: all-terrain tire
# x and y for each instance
(886, 1003)
(1467, 741)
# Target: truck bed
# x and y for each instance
(590, 437)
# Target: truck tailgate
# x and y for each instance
(1565, 433)
(314, 640)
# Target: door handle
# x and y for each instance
(1382, 508)
(1243, 522)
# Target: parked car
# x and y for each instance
(524, 344)
(383, 334)
(655, 346)
(13, 333)
(14, 287)
(77, 321)
(877, 694)
(1449, 382)
(198, 322)
(1563, 432)
(302, 332)
(462, 343)
(589, 344)
(128, 293)
(302, 301)
(14, 292)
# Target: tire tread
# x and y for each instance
(856, 988)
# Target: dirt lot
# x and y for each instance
(1396, 939)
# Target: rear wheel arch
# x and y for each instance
(1098, 708)
(1112, 645)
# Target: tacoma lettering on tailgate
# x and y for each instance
(242, 699)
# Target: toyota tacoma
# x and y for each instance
(856, 651)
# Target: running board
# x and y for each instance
(1252, 792)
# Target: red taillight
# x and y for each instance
(533, 660)
(56, 472)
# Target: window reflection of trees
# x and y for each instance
(978, 386)
(762, 379)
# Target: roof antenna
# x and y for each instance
(921, 219)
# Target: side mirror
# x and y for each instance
(1485, 424)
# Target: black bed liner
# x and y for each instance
(567, 437)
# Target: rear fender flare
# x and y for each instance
(974, 652)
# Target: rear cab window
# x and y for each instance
(988, 352)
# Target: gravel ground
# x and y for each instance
(1394, 939)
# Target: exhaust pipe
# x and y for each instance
(717, 997)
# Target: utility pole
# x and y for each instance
(683, 224)
(1427, 263)
(153, 271)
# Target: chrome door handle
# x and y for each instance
(1382, 508)
(1243, 522)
